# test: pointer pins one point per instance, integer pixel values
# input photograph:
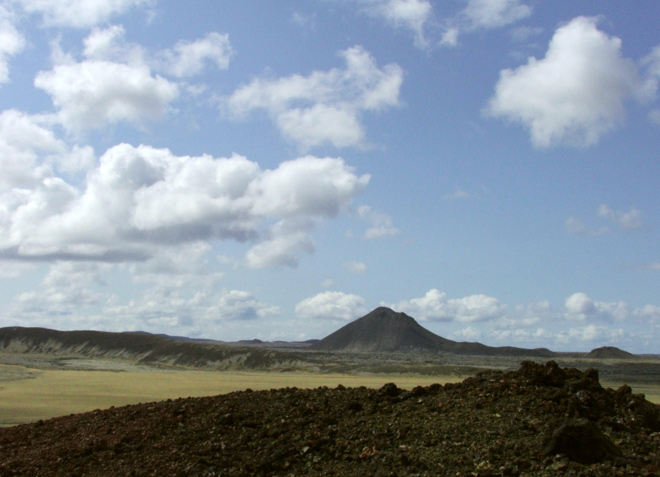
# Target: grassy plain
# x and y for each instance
(29, 395)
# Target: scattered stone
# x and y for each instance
(581, 441)
(494, 424)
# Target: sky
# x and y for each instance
(274, 170)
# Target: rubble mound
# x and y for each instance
(541, 420)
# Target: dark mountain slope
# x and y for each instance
(144, 348)
(384, 330)
(609, 352)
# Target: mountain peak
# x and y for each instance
(385, 330)
(381, 330)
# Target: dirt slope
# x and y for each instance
(539, 420)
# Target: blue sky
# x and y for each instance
(274, 170)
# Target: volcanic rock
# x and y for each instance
(494, 424)
(581, 441)
(384, 330)
(609, 352)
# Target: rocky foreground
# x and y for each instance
(538, 420)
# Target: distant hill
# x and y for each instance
(609, 352)
(144, 348)
(384, 330)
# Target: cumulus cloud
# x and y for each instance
(592, 333)
(331, 305)
(138, 197)
(355, 267)
(115, 83)
(469, 333)
(206, 311)
(483, 14)
(456, 195)
(625, 220)
(575, 94)
(650, 313)
(380, 225)
(11, 42)
(24, 144)
(651, 65)
(575, 226)
(434, 306)
(495, 13)
(579, 307)
(79, 13)
(93, 93)
(326, 106)
(188, 58)
(630, 220)
(281, 245)
(412, 15)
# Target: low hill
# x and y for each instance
(144, 348)
(538, 420)
(609, 352)
(384, 330)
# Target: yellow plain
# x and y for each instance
(53, 393)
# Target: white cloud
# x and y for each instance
(456, 195)
(575, 94)
(579, 307)
(331, 305)
(11, 42)
(139, 200)
(651, 65)
(575, 226)
(108, 44)
(324, 107)
(650, 313)
(281, 245)
(434, 306)
(93, 93)
(205, 311)
(355, 267)
(483, 14)
(467, 334)
(327, 283)
(79, 13)
(306, 21)
(591, 333)
(654, 116)
(625, 220)
(524, 33)
(30, 152)
(23, 142)
(380, 225)
(188, 58)
(115, 83)
(178, 267)
(409, 14)
(495, 13)
(450, 37)
(242, 305)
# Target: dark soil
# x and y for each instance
(539, 420)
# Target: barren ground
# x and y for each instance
(540, 420)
